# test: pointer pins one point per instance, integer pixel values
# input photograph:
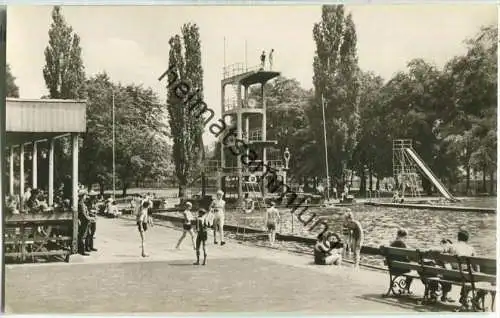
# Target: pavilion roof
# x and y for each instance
(29, 120)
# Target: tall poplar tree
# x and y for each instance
(64, 76)
(336, 74)
(64, 71)
(12, 90)
(186, 128)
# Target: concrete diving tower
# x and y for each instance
(248, 116)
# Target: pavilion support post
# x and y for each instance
(51, 171)
(34, 170)
(74, 180)
(11, 171)
(21, 171)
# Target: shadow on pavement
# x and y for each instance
(412, 303)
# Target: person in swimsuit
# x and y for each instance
(217, 207)
(142, 223)
(327, 250)
(187, 226)
(202, 225)
(272, 219)
(356, 234)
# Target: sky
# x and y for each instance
(130, 43)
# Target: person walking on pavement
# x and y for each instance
(202, 225)
(263, 60)
(187, 225)
(143, 220)
(218, 207)
(271, 54)
(84, 220)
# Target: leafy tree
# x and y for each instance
(373, 149)
(12, 90)
(287, 122)
(336, 80)
(186, 128)
(64, 77)
(469, 130)
(140, 144)
(63, 71)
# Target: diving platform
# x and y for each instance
(240, 73)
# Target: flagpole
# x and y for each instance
(114, 184)
(326, 150)
(246, 64)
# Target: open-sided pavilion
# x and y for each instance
(31, 122)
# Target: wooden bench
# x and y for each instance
(403, 264)
(483, 283)
(429, 267)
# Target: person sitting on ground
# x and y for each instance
(113, 209)
(400, 242)
(325, 253)
(395, 197)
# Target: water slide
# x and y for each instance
(429, 174)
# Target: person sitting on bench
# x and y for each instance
(400, 242)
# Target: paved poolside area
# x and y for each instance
(238, 278)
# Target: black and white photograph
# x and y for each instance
(264, 159)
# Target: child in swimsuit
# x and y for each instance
(272, 219)
(356, 234)
(142, 223)
(202, 225)
(187, 226)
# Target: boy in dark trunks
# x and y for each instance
(142, 223)
(202, 226)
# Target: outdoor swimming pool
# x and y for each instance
(426, 227)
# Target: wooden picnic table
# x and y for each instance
(38, 234)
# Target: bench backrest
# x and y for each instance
(486, 265)
(397, 253)
(400, 259)
(463, 267)
(487, 269)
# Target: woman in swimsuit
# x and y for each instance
(187, 226)
(217, 207)
(356, 234)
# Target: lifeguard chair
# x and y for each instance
(253, 192)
